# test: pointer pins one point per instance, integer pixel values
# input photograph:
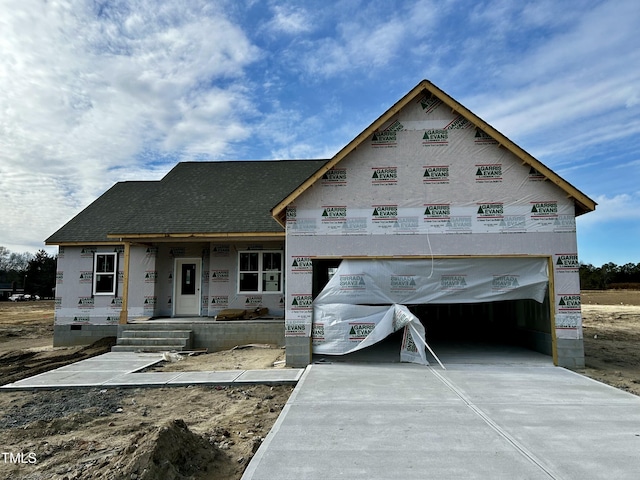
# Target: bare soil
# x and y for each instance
(197, 432)
(611, 328)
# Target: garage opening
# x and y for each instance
(460, 324)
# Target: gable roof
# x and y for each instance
(195, 199)
(583, 204)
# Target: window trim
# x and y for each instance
(114, 272)
(261, 273)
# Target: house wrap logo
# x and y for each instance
(459, 224)
(436, 174)
(295, 330)
(86, 276)
(514, 223)
(488, 173)
(220, 251)
(85, 302)
(544, 209)
(291, 213)
(352, 282)
(387, 136)
(220, 275)
(57, 302)
(151, 252)
(354, 225)
(490, 210)
(317, 332)
(301, 265)
(116, 302)
(301, 301)
(84, 319)
(429, 103)
(569, 302)
(253, 301)
(402, 283)
(567, 261)
(384, 212)
(220, 300)
(335, 176)
(151, 276)
(334, 213)
(406, 224)
(358, 331)
(86, 252)
(59, 277)
(435, 137)
(564, 223)
(535, 175)
(453, 282)
(384, 176)
(459, 123)
(501, 283)
(437, 211)
(150, 300)
(482, 138)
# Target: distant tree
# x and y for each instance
(13, 266)
(41, 274)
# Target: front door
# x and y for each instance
(187, 286)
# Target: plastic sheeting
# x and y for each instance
(365, 300)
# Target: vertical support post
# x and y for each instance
(552, 311)
(125, 285)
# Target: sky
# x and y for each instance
(96, 92)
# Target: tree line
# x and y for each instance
(28, 273)
(610, 275)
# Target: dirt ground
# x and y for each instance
(197, 432)
(133, 433)
(611, 329)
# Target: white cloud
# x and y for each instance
(624, 207)
(290, 20)
(88, 87)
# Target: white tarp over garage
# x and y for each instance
(364, 301)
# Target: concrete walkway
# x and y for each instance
(478, 419)
(118, 369)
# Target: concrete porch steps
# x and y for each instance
(148, 338)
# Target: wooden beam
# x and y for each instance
(124, 312)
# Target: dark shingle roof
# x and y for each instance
(194, 197)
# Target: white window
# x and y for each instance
(105, 273)
(260, 272)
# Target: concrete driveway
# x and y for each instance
(488, 417)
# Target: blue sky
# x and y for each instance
(92, 93)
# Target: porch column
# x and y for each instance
(125, 285)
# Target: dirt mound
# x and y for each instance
(170, 451)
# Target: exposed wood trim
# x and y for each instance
(194, 236)
(124, 312)
(552, 313)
